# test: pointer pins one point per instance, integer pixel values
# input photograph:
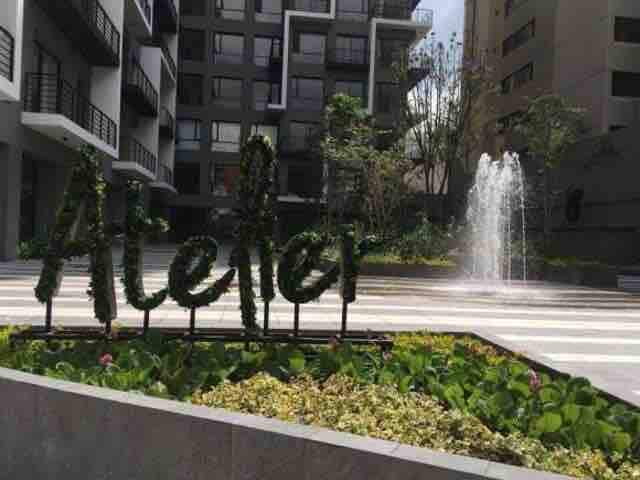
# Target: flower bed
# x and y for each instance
(454, 395)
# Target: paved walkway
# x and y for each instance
(582, 331)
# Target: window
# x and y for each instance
(389, 51)
(519, 38)
(192, 7)
(352, 88)
(511, 5)
(626, 84)
(225, 137)
(228, 48)
(627, 30)
(229, 9)
(517, 79)
(300, 136)
(321, 6)
(190, 89)
(265, 93)
(306, 93)
(270, 131)
(301, 183)
(353, 10)
(309, 48)
(264, 49)
(351, 50)
(385, 94)
(187, 135)
(187, 178)
(226, 92)
(269, 11)
(225, 180)
(192, 45)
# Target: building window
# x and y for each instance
(265, 49)
(353, 10)
(188, 134)
(309, 48)
(301, 136)
(318, 6)
(519, 38)
(187, 178)
(306, 93)
(228, 48)
(269, 11)
(627, 30)
(226, 92)
(626, 84)
(225, 180)
(265, 93)
(190, 89)
(390, 51)
(225, 137)
(511, 5)
(270, 131)
(351, 50)
(384, 97)
(300, 183)
(518, 79)
(352, 88)
(229, 9)
(192, 45)
(193, 7)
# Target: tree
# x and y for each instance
(443, 116)
(549, 126)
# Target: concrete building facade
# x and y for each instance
(83, 72)
(269, 66)
(588, 52)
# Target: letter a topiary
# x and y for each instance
(84, 197)
(137, 226)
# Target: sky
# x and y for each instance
(448, 17)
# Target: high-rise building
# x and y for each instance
(269, 66)
(83, 72)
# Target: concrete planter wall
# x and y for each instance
(58, 430)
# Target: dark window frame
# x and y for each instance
(631, 35)
(234, 102)
(238, 57)
(184, 98)
(197, 137)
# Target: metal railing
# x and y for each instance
(47, 93)
(167, 122)
(315, 58)
(102, 24)
(159, 42)
(167, 15)
(348, 56)
(7, 52)
(146, 8)
(229, 13)
(403, 12)
(165, 175)
(138, 154)
(139, 79)
(318, 6)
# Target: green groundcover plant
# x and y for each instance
(456, 395)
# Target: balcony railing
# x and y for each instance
(46, 93)
(316, 58)
(139, 90)
(166, 16)
(167, 124)
(348, 57)
(403, 12)
(146, 8)
(317, 6)
(139, 155)
(89, 28)
(7, 52)
(165, 175)
(159, 42)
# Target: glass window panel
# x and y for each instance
(188, 134)
(227, 92)
(351, 88)
(225, 137)
(230, 9)
(264, 49)
(270, 131)
(353, 10)
(192, 44)
(225, 180)
(228, 48)
(190, 89)
(265, 93)
(192, 7)
(269, 11)
(309, 48)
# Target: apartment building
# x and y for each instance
(83, 72)
(269, 66)
(589, 52)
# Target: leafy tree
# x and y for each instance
(549, 126)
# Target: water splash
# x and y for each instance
(496, 210)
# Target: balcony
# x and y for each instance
(139, 21)
(88, 27)
(167, 124)
(166, 15)
(167, 58)
(315, 6)
(139, 91)
(7, 54)
(403, 12)
(164, 181)
(55, 109)
(146, 9)
(348, 58)
(135, 160)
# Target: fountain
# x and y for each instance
(496, 215)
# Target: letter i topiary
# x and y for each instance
(137, 226)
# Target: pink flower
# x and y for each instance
(106, 359)
(534, 381)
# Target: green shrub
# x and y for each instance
(427, 241)
(35, 248)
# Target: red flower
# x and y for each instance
(106, 359)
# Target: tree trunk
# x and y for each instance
(548, 212)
